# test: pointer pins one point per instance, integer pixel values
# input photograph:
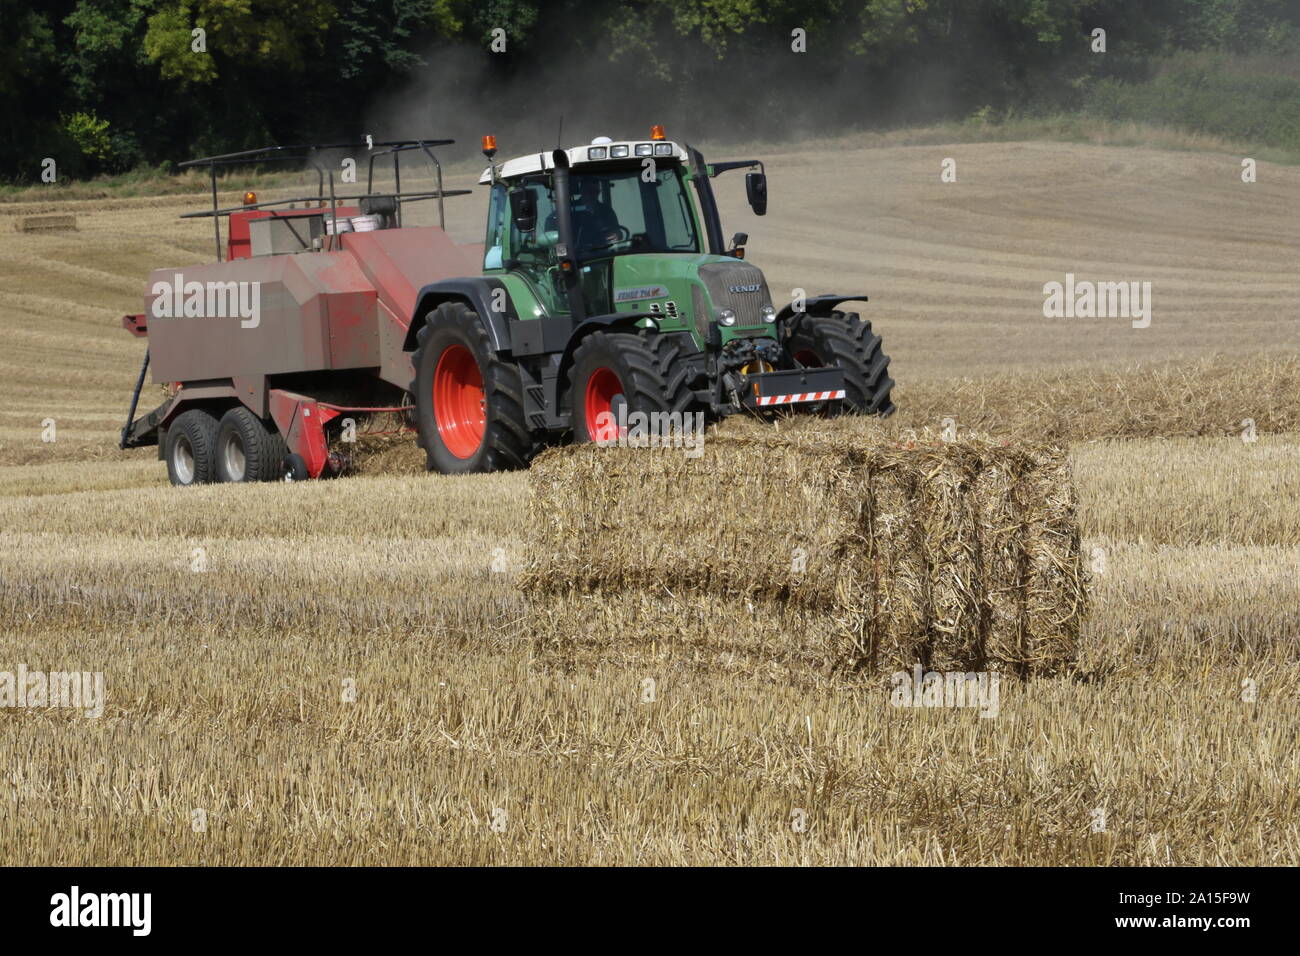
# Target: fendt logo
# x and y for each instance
(208, 300)
(643, 292)
(738, 289)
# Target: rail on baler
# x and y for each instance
(302, 153)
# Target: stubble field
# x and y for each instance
(345, 672)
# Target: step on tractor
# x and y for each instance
(604, 288)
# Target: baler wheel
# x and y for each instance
(247, 450)
(469, 402)
(845, 340)
(293, 467)
(191, 447)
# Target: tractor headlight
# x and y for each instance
(768, 313)
(726, 317)
(663, 149)
(645, 149)
(618, 152)
(597, 152)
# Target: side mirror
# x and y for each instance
(756, 190)
(523, 209)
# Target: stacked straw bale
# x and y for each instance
(832, 546)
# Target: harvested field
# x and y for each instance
(1212, 397)
(226, 670)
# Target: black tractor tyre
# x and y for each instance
(191, 448)
(649, 369)
(247, 448)
(844, 339)
(479, 425)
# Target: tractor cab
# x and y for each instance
(625, 226)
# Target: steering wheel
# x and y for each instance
(615, 235)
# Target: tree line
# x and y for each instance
(111, 85)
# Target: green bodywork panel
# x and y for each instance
(522, 295)
(671, 278)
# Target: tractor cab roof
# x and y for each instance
(600, 150)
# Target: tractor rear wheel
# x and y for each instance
(469, 404)
(247, 450)
(191, 447)
(616, 374)
(845, 340)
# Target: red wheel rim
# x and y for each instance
(603, 397)
(459, 402)
(808, 358)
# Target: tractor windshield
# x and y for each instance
(617, 211)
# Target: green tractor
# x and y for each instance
(607, 291)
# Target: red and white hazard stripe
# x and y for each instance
(799, 397)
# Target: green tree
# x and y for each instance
(378, 35)
(239, 33)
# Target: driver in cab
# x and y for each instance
(595, 226)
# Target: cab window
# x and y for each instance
(618, 211)
(493, 252)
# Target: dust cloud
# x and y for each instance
(767, 95)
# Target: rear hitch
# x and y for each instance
(337, 463)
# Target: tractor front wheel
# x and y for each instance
(469, 406)
(616, 374)
(845, 340)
